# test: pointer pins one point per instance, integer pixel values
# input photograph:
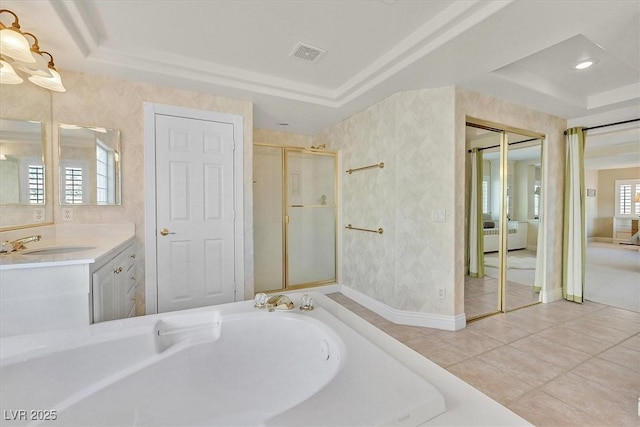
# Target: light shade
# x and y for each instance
(14, 45)
(52, 83)
(8, 74)
(39, 68)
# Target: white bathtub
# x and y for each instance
(222, 365)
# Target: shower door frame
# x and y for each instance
(503, 247)
(284, 149)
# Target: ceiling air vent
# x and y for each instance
(307, 52)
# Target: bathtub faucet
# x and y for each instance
(18, 244)
(279, 302)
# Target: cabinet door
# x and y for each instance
(124, 278)
(104, 296)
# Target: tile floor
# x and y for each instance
(481, 295)
(557, 364)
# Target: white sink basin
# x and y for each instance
(56, 250)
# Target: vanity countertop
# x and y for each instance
(100, 240)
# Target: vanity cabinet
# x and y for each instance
(113, 287)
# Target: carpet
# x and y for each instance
(516, 263)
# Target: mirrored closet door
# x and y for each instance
(504, 182)
(295, 210)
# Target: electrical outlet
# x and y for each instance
(38, 215)
(440, 292)
(67, 214)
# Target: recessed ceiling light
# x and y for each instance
(283, 124)
(583, 65)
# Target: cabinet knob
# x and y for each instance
(133, 256)
(118, 270)
(133, 278)
(133, 299)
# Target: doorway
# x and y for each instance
(193, 217)
(504, 205)
(294, 217)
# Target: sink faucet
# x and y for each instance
(18, 244)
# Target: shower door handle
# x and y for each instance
(164, 232)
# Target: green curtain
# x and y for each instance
(573, 250)
(476, 234)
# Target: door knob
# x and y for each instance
(164, 232)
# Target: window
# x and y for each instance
(627, 194)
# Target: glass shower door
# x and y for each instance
(268, 226)
(310, 218)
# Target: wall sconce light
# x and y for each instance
(16, 53)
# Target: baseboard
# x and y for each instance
(403, 317)
(600, 239)
(551, 295)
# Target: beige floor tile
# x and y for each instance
(575, 340)
(369, 315)
(542, 410)
(632, 343)
(522, 365)
(437, 350)
(560, 311)
(602, 317)
(597, 330)
(623, 356)
(496, 328)
(469, 341)
(550, 351)
(533, 322)
(405, 333)
(611, 375)
(597, 400)
(491, 380)
(631, 316)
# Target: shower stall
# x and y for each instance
(294, 202)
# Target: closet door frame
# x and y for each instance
(503, 233)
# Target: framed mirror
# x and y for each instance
(89, 165)
(25, 140)
(22, 177)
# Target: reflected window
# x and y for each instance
(626, 203)
(74, 183)
(485, 196)
(36, 183)
(105, 180)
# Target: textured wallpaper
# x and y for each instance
(420, 135)
(118, 104)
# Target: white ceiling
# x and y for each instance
(522, 51)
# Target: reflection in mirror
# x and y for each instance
(89, 165)
(21, 162)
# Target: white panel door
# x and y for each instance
(195, 212)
